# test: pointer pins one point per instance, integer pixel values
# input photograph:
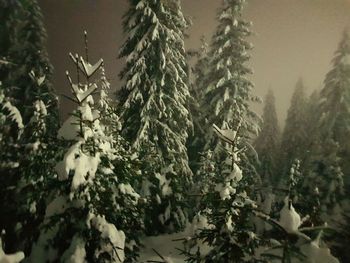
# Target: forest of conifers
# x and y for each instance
(175, 152)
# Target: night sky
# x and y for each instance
(292, 39)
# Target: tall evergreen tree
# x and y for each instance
(294, 133)
(196, 141)
(267, 146)
(8, 11)
(335, 103)
(228, 91)
(154, 98)
(27, 78)
(328, 165)
(267, 143)
(229, 232)
(27, 52)
(11, 130)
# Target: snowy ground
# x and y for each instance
(164, 245)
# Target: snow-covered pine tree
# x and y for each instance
(27, 78)
(335, 104)
(38, 150)
(27, 52)
(126, 166)
(230, 232)
(294, 134)
(327, 163)
(8, 9)
(228, 92)
(91, 202)
(196, 141)
(329, 181)
(154, 98)
(267, 143)
(11, 129)
(267, 146)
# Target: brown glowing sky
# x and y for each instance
(293, 38)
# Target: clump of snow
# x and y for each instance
(40, 106)
(289, 219)
(127, 189)
(346, 60)
(228, 136)
(69, 129)
(229, 223)
(225, 191)
(316, 254)
(76, 252)
(115, 237)
(236, 173)
(89, 69)
(41, 252)
(166, 216)
(14, 114)
(83, 165)
(199, 223)
(10, 258)
(86, 112)
(164, 184)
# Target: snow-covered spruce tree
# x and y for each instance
(294, 134)
(27, 52)
(230, 232)
(267, 146)
(267, 143)
(91, 196)
(8, 10)
(228, 91)
(39, 150)
(11, 129)
(325, 180)
(327, 164)
(335, 104)
(196, 141)
(128, 168)
(153, 102)
(23, 73)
